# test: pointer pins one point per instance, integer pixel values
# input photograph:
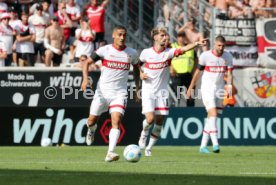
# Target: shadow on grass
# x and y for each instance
(50, 177)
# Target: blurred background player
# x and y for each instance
(64, 21)
(215, 63)
(54, 43)
(40, 23)
(74, 13)
(25, 38)
(6, 36)
(84, 39)
(155, 77)
(111, 92)
(3, 53)
(96, 14)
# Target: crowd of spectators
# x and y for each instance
(174, 14)
(226, 8)
(24, 22)
(42, 31)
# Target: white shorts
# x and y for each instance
(212, 98)
(112, 101)
(158, 105)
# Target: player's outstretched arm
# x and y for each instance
(202, 42)
(193, 83)
(105, 3)
(85, 80)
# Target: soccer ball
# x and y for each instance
(46, 142)
(132, 153)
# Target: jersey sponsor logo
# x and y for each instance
(40, 25)
(158, 65)
(86, 39)
(216, 69)
(116, 65)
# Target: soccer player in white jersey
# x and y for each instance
(155, 74)
(111, 92)
(214, 64)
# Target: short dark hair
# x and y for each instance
(39, 7)
(220, 38)
(181, 34)
(119, 27)
(84, 56)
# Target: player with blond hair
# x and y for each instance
(155, 74)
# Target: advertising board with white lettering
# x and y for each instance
(58, 87)
(243, 56)
(236, 126)
(28, 126)
(183, 126)
(237, 31)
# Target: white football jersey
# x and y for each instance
(215, 68)
(40, 23)
(115, 67)
(6, 36)
(2, 49)
(156, 66)
(25, 46)
(73, 11)
(3, 7)
(84, 44)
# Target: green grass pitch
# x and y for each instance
(168, 165)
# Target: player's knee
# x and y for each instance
(116, 120)
(150, 119)
(212, 113)
(48, 53)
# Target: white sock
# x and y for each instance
(205, 134)
(92, 128)
(205, 139)
(154, 136)
(146, 127)
(113, 138)
(213, 130)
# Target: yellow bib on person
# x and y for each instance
(183, 63)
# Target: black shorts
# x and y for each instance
(28, 57)
(57, 59)
(8, 60)
(99, 37)
(39, 47)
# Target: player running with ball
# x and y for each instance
(155, 74)
(111, 92)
